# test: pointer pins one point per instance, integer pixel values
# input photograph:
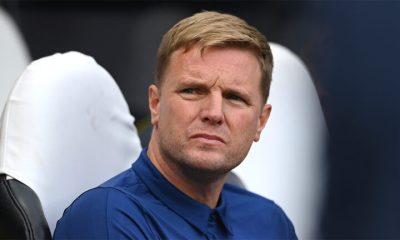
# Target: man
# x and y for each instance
(207, 107)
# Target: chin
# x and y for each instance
(209, 161)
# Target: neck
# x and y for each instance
(201, 188)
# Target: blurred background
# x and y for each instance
(351, 49)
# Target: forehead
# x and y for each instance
(236, 65)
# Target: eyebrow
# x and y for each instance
(197, 83)
(192, 82)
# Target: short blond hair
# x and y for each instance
(213, 29)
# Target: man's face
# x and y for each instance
(209, 109)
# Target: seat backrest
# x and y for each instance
(66, 128)
(286, 165)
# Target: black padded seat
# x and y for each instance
(21, 214)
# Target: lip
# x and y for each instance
(208, 137)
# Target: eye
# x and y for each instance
(191, 93)
(234, 97)
(189, 90)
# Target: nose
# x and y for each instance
(212, 111)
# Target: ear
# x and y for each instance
(262, 120)
(154, 103)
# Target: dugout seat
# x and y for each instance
(287, 164)
(66, 128)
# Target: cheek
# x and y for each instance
(176, 114)
(244, 125)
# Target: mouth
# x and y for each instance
(208, 138)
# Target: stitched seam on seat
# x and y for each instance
(20, 209)
(3, 132)
(5, 115)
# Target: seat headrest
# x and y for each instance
(66, 128)
(14, 55)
